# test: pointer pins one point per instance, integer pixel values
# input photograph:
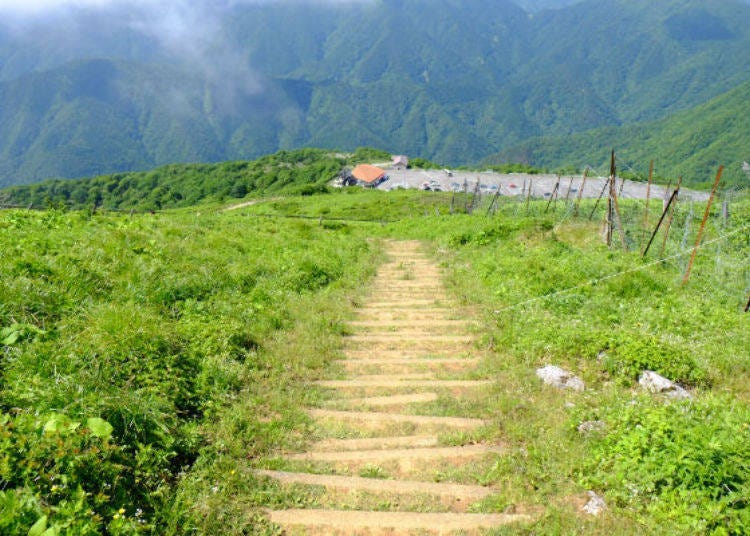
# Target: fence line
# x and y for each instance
(619, 274)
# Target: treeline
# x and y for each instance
(304, 171)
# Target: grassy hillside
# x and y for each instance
(691, 143)
(153, 361)
(134, 346)
(547, 291)
(96, 116)
(182, 185)
(453, 81)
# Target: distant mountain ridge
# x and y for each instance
(453, 81)
(692, 143)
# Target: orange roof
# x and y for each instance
(367, 173)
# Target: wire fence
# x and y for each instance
(723, 252)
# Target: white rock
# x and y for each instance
(655, 383)
(596, 504)
(560, 378)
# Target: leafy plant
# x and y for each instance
(686, 463)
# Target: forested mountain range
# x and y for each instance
(92, 91)
(691, 143)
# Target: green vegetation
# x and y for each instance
(139, 351)
(305, 171)
(452, 82)
(691, 143)
(666, 467)
(151, 362)
(302, 172)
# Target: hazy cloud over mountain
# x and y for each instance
(45, 6)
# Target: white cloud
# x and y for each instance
(41, 6)
(187, 32)
(33, 7)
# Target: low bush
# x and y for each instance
(626, 356)
(684, 463)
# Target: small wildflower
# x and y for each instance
(121, 511)
(232, 472)
(116, 516)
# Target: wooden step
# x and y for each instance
(405, 304)
(425, 346)
(393, 378)
(405, 315)
(410, 353)
(415, 361)
(365, 338)
(462, 492)
(376, 443)
(429, 384)
(347, 521)
(383, 324)
(381, 417)
(417, 398)
(392, 366)
(406, 454)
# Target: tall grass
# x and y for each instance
(127, 339)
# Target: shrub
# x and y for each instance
(627, 356)
(687, 463)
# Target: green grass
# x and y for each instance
(190, 335)
(668, 468)
(150, 362)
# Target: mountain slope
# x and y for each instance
(692, 143)
(452, 81)
(96, 116)
(304, 171)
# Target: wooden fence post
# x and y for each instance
(661, 220)
(613, 207)
(553, 196)
(648, 200)
(670, 221)
(528, 196)
(494, 199)
(702, 228)
(570, 186)
(556, 194)
(610, 207)
(666, 195)
(474, 198)
(599, 199)
(466, 196)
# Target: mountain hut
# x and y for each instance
(368, 176)
(399, 162)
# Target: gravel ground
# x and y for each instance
(514, 184)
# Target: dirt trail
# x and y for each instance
(409, 346)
